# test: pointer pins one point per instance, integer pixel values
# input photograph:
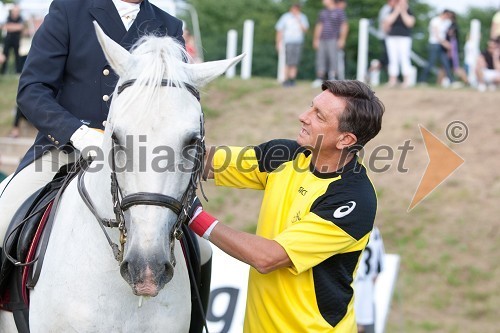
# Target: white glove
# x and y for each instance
(88, 139)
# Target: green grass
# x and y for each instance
(477, 296)
(216, 203)
(428, 326)
(250, 228)
(409, 124)
(237, 88)
(439, 302)
(211, 112)
(8, 89)
(229, 218)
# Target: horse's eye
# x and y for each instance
(193, 141)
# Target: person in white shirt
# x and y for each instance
(438, 45)
(290, 31)
(370, 266)
(381, 63)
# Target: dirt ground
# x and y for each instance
(450, 274)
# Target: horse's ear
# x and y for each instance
(116, 55)
(205, 72)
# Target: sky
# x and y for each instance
(460, 6)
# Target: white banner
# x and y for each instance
(228, 293)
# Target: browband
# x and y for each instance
(164, 83)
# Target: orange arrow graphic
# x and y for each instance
(442, 163)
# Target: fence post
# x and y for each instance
(231, 50)
(362, 50)
(281, 63)
(474, 39)
(246, 64)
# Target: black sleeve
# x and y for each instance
(270, 155)
(350, 205)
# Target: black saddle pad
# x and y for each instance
(25, 223)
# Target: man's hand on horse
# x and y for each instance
(200, 221)
(87, 140)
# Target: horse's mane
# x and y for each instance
(158, 58)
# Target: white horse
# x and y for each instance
(155, 114)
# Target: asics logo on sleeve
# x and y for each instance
(344, 210)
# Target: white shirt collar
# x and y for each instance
(127, 11)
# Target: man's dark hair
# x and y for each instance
(363, 112)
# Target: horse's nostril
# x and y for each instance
(124, 271)
(169, 271)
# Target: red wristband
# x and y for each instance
(203, 224)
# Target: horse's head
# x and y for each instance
(156, 116)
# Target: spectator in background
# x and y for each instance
(381, 63)
(488, 66)
(341, 52)
(399, 24)
(439, 45)
(383, 13)
(290, 30)
(15, 131)
(13, 27)
(370, 266)
(495, 26)
(190, 46)
(330, 35)
(454, 51)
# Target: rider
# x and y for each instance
(66, 85)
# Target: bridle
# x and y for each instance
(121, 204)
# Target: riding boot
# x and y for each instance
(197, 318)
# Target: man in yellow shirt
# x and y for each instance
(317, 213)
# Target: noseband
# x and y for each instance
(122, 204)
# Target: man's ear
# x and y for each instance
(346, 140)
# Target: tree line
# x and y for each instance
(217, 17)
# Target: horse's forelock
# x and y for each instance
(161, 56)
(155, 59)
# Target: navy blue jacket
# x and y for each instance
(66, 80)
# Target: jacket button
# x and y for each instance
(105, 98)
(50, 136)
(105, 72)
(57, 142)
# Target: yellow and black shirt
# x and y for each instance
(322, 220)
